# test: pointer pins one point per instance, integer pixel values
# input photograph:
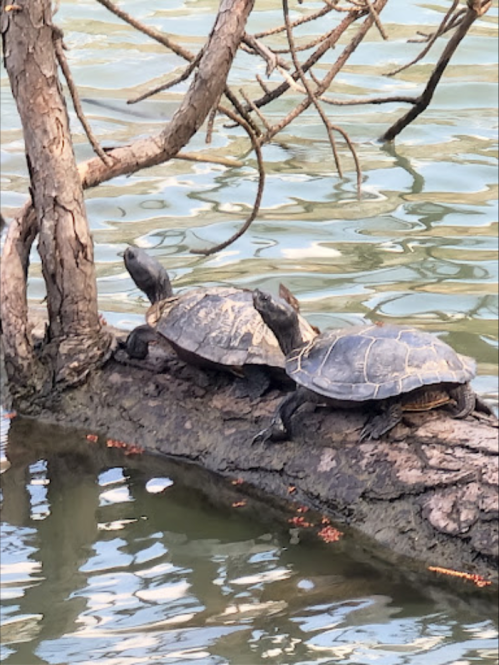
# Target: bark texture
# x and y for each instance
(65, 244)
(75, 342)
(428, 490)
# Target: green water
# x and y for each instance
(97, 565)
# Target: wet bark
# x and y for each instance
(428, 490)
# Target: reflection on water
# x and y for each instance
(114, 560)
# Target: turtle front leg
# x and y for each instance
(137, 342)
(382, 422)
(280, 427)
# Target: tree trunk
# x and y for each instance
(75, 342)
(74, 338)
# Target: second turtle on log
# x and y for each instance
(215, 327)
(390, 368)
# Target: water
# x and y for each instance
(119, 561)
(99, 567)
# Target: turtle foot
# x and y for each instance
(275, 433)
(137, 342)
(381, 423)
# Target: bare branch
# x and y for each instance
(314, 58)
(377, 22)
(213, 159)
(255, 109)
(63, 64)
(475, 9)
(151, 32)
(356, 101)
(259, 193)
(312, 96)
(337, 66)
(439, 31)
(305, 19)
(269, 55)
(165, 86)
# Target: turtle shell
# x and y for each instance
(219, 325)
(376, 362)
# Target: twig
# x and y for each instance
(151, 32)
(263, 85)
(313, 59)
(308, 45)
(182, 77)
(231, 96)
(340, 62)
(269, 55)
(305, 19)
(310, 92)
(193, 157)
(179, 50)
(255, 108)
(377, 22)
(368, 100)
(63, 63)
(259, 193)
(439, 31)
(452, 24)
(474, 10)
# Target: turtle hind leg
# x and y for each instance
(382, 422)
(465, 401)
(280, 427)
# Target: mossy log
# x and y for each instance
(427, 490)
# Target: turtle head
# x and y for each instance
(281, 318)
(148, 274)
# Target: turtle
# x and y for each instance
(215, 327)
(389, 367)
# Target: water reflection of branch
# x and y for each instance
(418, 182)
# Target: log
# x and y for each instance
(427, 491)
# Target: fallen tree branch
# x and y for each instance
(428, 490)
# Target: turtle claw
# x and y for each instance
(276, 432)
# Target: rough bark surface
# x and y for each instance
(65, 244)
(428, 490)
(76, 342)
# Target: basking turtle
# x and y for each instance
(213, 326)
(393, 368)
